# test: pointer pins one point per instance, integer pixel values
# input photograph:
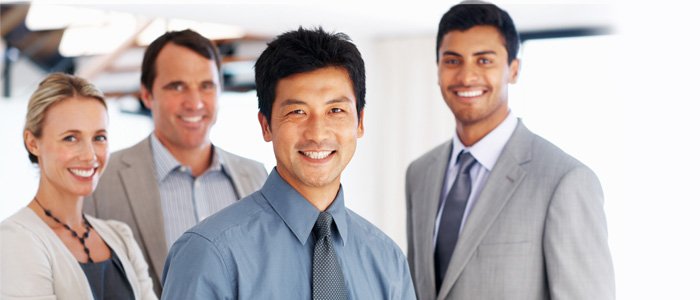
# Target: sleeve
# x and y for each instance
(406, 292)
(195, 269)
(25, 266)
(137, 261)
(577, 258)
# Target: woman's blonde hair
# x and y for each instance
(55, 88)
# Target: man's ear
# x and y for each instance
(361, 124)
(514, 71)
(146, 97)
(31, 143)
(265, 126)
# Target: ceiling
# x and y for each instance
(365, 18)
(263, 19)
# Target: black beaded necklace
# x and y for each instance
(82, 239)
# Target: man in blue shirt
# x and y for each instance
(294, 238)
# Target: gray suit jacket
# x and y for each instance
(537, 231)
(128, 192)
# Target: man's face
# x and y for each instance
(183, 99)
(473, 74)
(314, 127)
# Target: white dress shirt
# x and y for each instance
(486, 152)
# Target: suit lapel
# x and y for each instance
(240, 179)
(426, 203)
(506, 176)
(144, 197)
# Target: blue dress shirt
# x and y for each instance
(261, 248)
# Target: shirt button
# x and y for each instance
(183, 169)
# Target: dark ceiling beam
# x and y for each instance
(565, 33)
(12, 16)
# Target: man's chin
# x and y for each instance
(319, 180)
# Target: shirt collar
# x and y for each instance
(487, 150)
(298, 213)
(165, 162)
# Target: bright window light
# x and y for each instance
(92, 40)
(210, 30)
(93, 32)
(50, 16)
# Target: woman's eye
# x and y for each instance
(70, 138)
(101, 138)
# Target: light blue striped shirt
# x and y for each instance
(187, 200)
(262, 248)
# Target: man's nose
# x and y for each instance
(316, 128)
(194, 100)
(468, 74)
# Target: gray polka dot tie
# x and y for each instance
(328, 281)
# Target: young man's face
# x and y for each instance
(183, 99)
(314, 127)
(473, 74)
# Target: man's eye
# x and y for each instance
(484, 61)
(336, 110)
(179, 87)
(208, 86)
(451, 61)
(296, 112)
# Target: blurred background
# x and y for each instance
(613, 84)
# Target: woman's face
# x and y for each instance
(72, 150)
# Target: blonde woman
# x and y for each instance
(50, 250)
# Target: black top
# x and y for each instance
(107, 279)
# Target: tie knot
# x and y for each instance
(465, 161)
(322, 228)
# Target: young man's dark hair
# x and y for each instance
(468, 14)
(306, 50)
(185, 38)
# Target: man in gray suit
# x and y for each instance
(498, 212)
(174, 178)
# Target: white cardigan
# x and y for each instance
(35, 264)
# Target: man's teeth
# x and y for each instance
(192, 119)
(470, 93)
(317, 154)
(82, 173)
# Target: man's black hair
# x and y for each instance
(306, 50)
(468, 14)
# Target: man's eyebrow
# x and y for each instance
(286, 102)
(477, 53)
(177, 81)
(484, 52)
(452, 53)
(338, 100)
